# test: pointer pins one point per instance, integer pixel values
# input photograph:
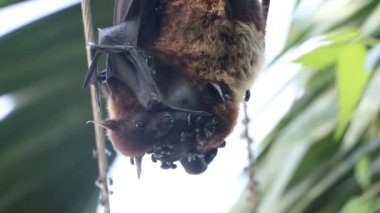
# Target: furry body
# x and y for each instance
(209, 52)
(208, 42)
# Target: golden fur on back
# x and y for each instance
(197, 36)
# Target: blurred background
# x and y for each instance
(314, 117)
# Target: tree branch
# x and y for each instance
(99, 132)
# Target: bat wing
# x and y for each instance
(128, 47)
(122, 9)
(143, 18)
(126, 61)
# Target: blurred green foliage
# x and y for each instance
(4, 3)
(46, 161)
(324, 155)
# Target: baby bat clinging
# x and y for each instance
(212, 47)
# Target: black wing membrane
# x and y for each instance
(125, 59)
(122, 9)
(128, 48)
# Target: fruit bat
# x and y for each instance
(218, 45)
(191, 61)
(139, 115)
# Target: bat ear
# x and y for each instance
(216, 90)
(107, 124)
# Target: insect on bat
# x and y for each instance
(207, 50)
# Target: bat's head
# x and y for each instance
(136, 133)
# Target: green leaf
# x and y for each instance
(372, 24)
(363, 172)
(357, 205)
(364, 115)
(344, 36)
(316, 121)
(352, 77)
(321, 57)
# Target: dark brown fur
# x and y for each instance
(136, 133)
(200, 42)
(132, 130)
(210, 41)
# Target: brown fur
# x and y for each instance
(136, 133)
(125, 114)
(199, 42)
(208, 47)
(121, 102)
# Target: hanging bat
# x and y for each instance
(218, 45)
(214, 48)
(139, 115)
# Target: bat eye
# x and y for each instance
(139, 124)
